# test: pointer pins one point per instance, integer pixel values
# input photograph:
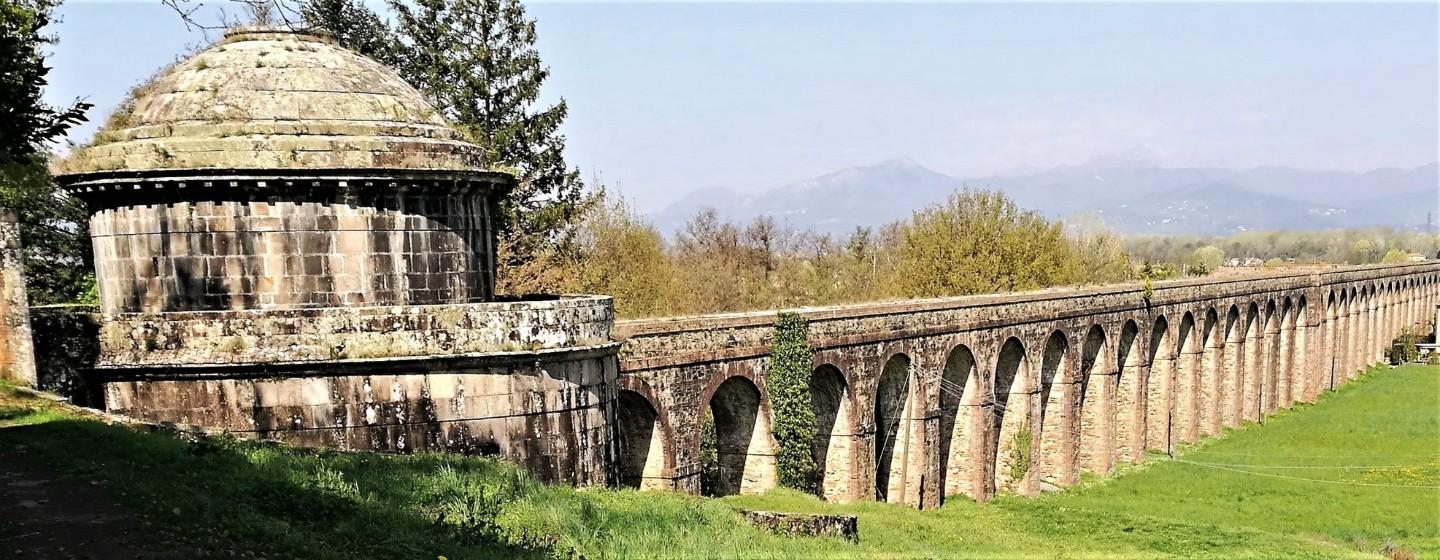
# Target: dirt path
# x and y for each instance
(47, 516)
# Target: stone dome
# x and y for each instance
(273, 98)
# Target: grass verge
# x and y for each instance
(1275, 492)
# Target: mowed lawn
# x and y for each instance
(1343, 478)
(1358, 470)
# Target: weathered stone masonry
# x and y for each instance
(291, 244)
(922, 399)
(17, 360)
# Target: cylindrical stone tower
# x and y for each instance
(276, 170)
(290, 242)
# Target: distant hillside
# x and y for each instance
(1132, 199)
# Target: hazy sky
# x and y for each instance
(668, 97)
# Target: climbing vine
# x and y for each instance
(789, 384)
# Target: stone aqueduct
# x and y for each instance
(918, 400)
(291, 244)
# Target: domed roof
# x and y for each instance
(272, 98)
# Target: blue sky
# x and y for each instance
(669, 97)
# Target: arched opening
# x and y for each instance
(1095, 431)
(1251, 370)
(1054, 468)
(1013, 453)
(1212, 362)
(1353, 334)
(1306, 384)
(1342, 338)
(640, 442)
(1377, 330)
(894, 404)
(1233, 362)
(1267, 382)
(1328, 339)
(739, 440)
(834, 433)
(1129, 398)
(1159, 388)
(962, 425)
(1287, 376)
(1187, 387)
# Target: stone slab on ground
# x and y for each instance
(806, 524)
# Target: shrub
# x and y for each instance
(1020, 454)
(1403, 349)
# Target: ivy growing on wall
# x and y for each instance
(789, 384)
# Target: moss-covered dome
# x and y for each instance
(271, 98)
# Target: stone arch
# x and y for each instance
(642, 442)
(962, 425)
(1129, 395)
(1267, 383)
(1187, 379)
(833, 449)
(1212, 363)
(1368, 341)
(1287, 376)
(1159, 388)
(1012, 417)
(1326, 357)
(1252, 370)
(1230, 379)
(1095, 430)
(1354, 333)
(1302, 355)
(1343, 328)
(1054, 362)
(743, 447)
(894, 407)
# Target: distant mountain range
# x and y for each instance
(1132, 199)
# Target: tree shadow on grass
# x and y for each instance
(290, 502)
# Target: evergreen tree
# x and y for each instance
(355, 27)
(52, 231)
(26, 122)
(476, 60)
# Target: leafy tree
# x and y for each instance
(1395, 256)
(1363, 251)
(57, 249)
(625, 257)
(980, 242)
(476, 60)
(1206, 260)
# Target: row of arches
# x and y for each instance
(1029, 408)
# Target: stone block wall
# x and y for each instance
(67, 346)
(340, 333)
(317, 247)
(17, 360)
(551, 411)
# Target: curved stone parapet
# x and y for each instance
(548, 410)
(331, 334)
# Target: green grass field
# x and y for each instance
(1343, 478)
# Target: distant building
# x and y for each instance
(1252, 261)
(1417, 257)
